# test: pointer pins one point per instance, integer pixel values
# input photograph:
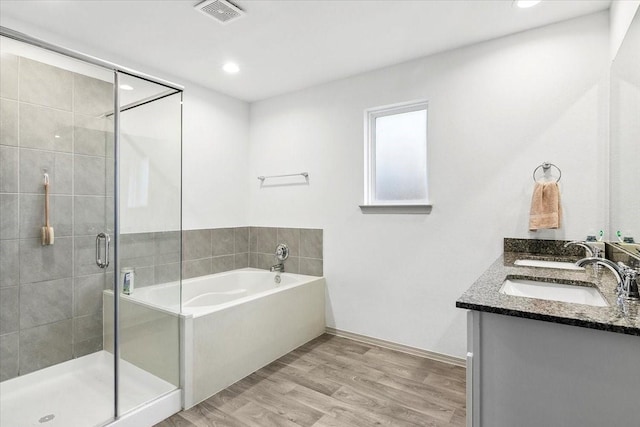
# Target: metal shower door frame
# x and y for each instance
(117, 70)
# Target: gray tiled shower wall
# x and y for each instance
(51, 296)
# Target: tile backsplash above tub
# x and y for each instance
(156, 256)
(210, 251)
(214, 250)
(305, 249)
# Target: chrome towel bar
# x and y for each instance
(305, 174)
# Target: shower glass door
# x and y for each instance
(148, 248)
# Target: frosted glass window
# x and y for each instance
(397, 155)
(401, 156)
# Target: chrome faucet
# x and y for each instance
(626, 276)
(277, 267)
(592, 251)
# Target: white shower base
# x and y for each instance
(79, 393)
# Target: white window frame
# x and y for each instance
(371, 205)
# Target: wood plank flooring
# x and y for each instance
(337, 382)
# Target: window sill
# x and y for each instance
(396, 209)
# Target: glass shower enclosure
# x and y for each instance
(90, 214)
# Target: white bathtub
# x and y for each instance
(202, 295)
(236, 322)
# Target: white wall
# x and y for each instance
(215, 152)
(496, 111)
(620, 16)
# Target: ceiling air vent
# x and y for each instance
(220, 10)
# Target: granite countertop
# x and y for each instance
(483, 295)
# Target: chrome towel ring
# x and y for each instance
(545, 167)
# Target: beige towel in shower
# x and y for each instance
(545, 206)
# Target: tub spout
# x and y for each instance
(277, 267)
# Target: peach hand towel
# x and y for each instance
(545, 206)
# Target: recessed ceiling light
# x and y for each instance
(231, 67)
(126, 87)
(525, 4)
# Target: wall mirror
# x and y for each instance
(624, 203)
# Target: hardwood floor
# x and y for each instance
(337, 382)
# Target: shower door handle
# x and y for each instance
(107, 241)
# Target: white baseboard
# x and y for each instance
(445, 358)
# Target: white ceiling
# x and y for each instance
(282, 45)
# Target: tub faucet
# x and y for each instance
(277, 267)
(592, 251)
(282, 253)
(626, 276)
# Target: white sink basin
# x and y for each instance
(547, 264)
(553, 291)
